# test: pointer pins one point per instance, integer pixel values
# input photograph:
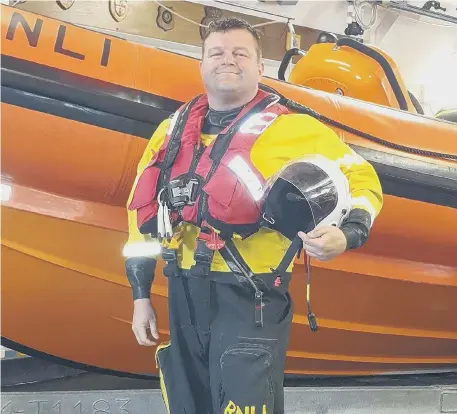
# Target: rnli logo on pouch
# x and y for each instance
(118, 9)
(232, 408)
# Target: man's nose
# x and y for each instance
(228, 59)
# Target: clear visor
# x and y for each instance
(310, 179)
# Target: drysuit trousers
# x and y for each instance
(218, 360)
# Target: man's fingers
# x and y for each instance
(153, 326)
(313, 244)
(312, 249)
(142, 336)
(303, 236)
(321, 257)
(137, 336)
(314, 234)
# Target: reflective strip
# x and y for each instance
(363, 201)
(242, 170)
(173, 122)
(142, 249)
(5, 193)
(350, 159)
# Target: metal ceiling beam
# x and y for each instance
(403, 6)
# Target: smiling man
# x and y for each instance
(231, 68)
(200, 191)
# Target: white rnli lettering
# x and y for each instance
(242, 170)
(257, 123)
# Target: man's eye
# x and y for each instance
(216, 54)
(241, 54)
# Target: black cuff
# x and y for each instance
(356, 228)
(140, 273)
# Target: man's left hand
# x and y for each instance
(324, 243)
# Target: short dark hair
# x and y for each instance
(232, 23)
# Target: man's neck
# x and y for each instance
(228, 102)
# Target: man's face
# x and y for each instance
(230, 63)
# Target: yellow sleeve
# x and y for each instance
(137, 243)
(295, 135)
(364, 184)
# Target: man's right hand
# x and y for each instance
(144, 322)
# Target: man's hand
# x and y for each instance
(324, 243)
(144, 322)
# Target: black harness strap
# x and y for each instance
(239, 267)
(174, 143)
(294, 248)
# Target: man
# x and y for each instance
(223, 356)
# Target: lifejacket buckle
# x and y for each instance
(170, 257)
(180, 194)
(203, 258)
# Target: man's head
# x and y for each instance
(231, 66)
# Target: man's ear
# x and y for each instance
(261, 67)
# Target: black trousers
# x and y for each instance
(218, 360)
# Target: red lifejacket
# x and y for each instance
(229, 195)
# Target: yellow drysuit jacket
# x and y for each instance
(289, 137)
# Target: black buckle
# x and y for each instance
(170, 257)
(203, 258)
(181, 193)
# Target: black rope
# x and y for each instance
(303, 109)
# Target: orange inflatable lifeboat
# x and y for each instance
(350, 68)
(77, 109)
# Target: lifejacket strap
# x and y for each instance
(203, 257)
(239, 267)
(174, 144)
(294, 248)
(170, 257)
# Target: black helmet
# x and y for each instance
(308, 192)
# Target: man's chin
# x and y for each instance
(227, 87)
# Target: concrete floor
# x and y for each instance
(90, 393)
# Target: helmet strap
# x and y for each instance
(293, 250)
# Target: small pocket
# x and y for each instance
(229, 201)
(221, 187)
(247, 379)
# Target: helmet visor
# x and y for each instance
(300, 196)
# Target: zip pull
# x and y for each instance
(258, 302)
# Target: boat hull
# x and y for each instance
(388, 307)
